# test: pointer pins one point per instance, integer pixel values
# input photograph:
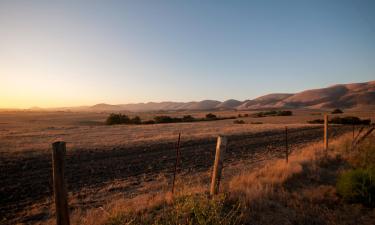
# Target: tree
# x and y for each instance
(337, 111)
(211, 116)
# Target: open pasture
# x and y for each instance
(104, 161)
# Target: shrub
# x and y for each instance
(239, 122)
(337, 111)
(149, 122)
(350, 120)
(273, 113)
(117, 119)
(211, 116)
(188, 118)
(136, 120)
(164, 119)
(284, 113)
(357, 186)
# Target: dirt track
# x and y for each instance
(27, 179)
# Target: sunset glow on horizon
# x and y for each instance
(57, 54)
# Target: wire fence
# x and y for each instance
(28, 179)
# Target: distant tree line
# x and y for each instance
(273, 113)
(348, 120)
(118, 118)
(122, 119)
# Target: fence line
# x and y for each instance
(58, 165)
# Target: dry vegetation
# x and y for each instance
(34, 131)
(297, 193)
(300, 192)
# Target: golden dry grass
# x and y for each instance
(35, 131)
(299, 192)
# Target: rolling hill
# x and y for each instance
(346, 96)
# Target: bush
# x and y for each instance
(136, 120)
(337, 111)
(124, 119)
(350, 120)
(117, 119)
(284, 113)
(211, 116)
(166, 119)
(149, 122)
(273, 113)
(357, 186)
(188, 118)
(239, 122)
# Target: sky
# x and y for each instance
(72, 53)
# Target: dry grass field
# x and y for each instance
(302, 191)
(123, 161)
(35, 131)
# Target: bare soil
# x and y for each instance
(26, 178)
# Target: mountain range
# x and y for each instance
(346, 96)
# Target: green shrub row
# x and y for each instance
(124, 119)
(273, 113)
(348, 120)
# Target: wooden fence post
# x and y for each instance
(326, 133)
(59, 187)
(286, 145)
(218, 165)
(177, 160)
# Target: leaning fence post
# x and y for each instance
(59, 187)
(286, 145)
(326, 133)
(218, 165)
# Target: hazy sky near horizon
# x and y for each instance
(69, 53)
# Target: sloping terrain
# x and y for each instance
(343, 96)
(347, 96)
(266, 101)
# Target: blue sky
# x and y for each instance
(66, 53)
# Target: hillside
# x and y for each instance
(356, 96)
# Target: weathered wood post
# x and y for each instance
(59, 186)
(326, 133)
(218, 165)
(177, 160)
(286, 145)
